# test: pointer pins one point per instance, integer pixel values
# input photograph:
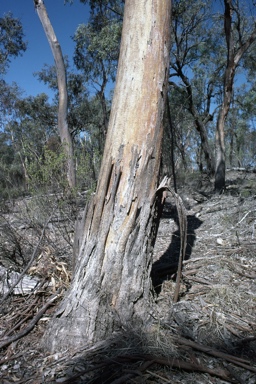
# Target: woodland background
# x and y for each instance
(38, 209)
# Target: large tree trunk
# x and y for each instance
(234, 56)
(64, 133)
(111, 287)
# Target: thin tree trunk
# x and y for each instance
(111, 288)
(200, 123)
(102, 99)
(220, 169)
(64, 133)
(233, 59)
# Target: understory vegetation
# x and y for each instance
(208, 335)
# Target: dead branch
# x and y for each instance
(24, 319)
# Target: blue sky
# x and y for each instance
(64, 19)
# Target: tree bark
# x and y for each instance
(111, 288)
(233, 58)
(64, 133)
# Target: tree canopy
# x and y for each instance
(11, 40)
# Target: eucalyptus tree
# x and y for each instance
(78, 96)
(12, 41)
(64, 133)
(33, 123)
(10, 174)
(186, 145)
(9, 94)
(96, 53)
(36, 122)
(111, 286)
(85, 120)
(12, 44)
(240, 127)
(246, 98)
(240, 34)
(196, 65)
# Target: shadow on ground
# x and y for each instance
(134, 357)
(166, 267)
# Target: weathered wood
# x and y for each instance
(112, 286)
(21, 286)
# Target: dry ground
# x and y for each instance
(208, 336)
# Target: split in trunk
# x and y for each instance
(111, 287)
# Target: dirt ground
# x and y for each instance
(207, 336)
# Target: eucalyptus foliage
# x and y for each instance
(11, 40)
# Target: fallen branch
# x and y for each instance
(24, 319)
(244, 217)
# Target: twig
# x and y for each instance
(240, 272)
(24, 319)
(163, 379)
(31, 325)
(10, 358)
(240, 221)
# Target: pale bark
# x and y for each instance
(112, 287)
(64, 133)
(234, 56)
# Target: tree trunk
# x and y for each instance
(220, 157)
(233, 59)
(200, 122)
(111, 287)
(64, 133)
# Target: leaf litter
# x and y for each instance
(208, 336)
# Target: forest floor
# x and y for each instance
(207, 337)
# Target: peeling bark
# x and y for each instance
(112, 286)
